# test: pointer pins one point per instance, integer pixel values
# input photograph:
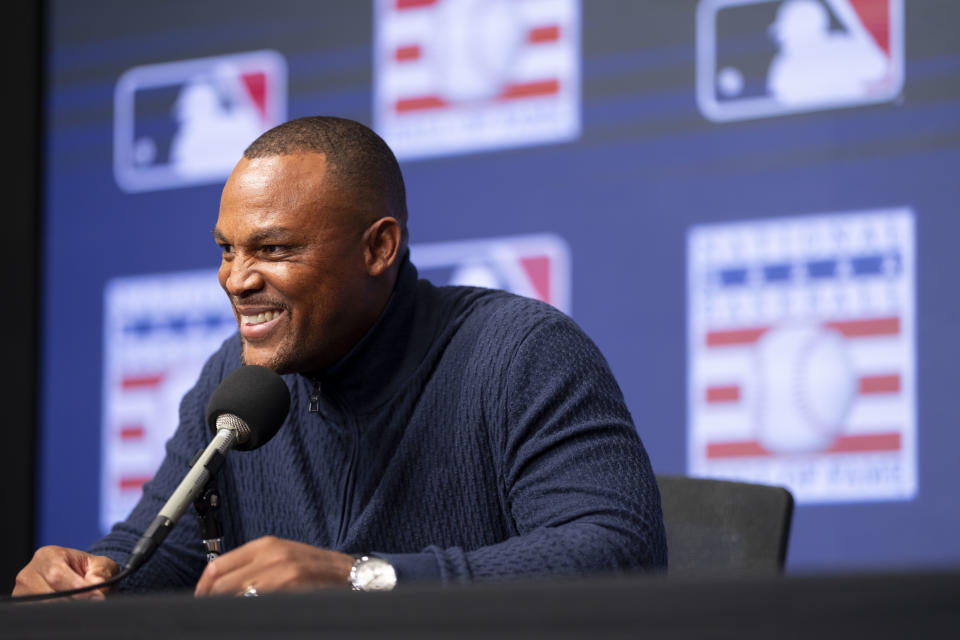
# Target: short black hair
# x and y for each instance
(356, 156)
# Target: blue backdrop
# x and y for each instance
(646, 167)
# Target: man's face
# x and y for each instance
(293, 262)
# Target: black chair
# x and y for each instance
(723, 527)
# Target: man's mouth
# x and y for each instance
(260, 318)
(258, 326)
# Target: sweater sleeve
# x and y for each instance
(577, 480)
(179, 561)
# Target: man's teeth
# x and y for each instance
(260, 317)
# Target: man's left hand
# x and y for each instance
(274, 564)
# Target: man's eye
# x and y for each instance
(227, 248)
(272, 248)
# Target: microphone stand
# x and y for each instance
(207, 505)
(210, 533)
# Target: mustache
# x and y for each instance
(258, 301)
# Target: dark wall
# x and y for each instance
(21, 113)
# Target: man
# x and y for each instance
(453, 434)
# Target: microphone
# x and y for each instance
(244, 412)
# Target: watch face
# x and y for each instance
(375, 574)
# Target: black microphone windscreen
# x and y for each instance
(255, 394)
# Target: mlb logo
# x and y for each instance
(536, 266)
(158, 331)
(454, 76)
(759, 58)
(186, 123)
(802, 354)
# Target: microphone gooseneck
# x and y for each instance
(185, 493)
(244, 412)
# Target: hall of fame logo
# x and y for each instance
(454, 76)
(758, 58)
(802, 354)
(187, 122)
(159, 329)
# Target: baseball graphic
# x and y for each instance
(806, 384)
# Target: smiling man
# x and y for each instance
(307, 267)
(451, 434)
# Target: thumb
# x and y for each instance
(99, 568)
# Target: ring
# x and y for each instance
(250, 592)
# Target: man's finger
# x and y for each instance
(29, 581)
(236, 581)
(63, 578)
(46, 578)
(99, 568)
(224, 565)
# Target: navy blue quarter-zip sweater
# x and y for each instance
(471, 435)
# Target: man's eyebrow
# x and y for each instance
(257, 237)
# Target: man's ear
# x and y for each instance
(381, 243)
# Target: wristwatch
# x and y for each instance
(370, 573)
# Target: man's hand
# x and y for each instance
(61, 569)
(274, 564)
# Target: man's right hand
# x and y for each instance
(61, 569)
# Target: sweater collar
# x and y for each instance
(383, 359)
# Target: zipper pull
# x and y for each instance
(315, 398)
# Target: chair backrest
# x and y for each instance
(719, 526)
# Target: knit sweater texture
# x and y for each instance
(471, 435)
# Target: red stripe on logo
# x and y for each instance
(133, 482)
(530, 89)
(728, 393)
(407, 53)
(862, 443)
(548, 33)
(880, 384)
(867, 385)
(849, 328)
(744, 449)
(866, 442)
(132, 432)
(735, 336)
(864, 328)
(141, 382)
(413, 4)
(419, 104)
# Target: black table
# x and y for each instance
(882, 605)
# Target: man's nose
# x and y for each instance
(243, 276)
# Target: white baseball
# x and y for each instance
(806, 385)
